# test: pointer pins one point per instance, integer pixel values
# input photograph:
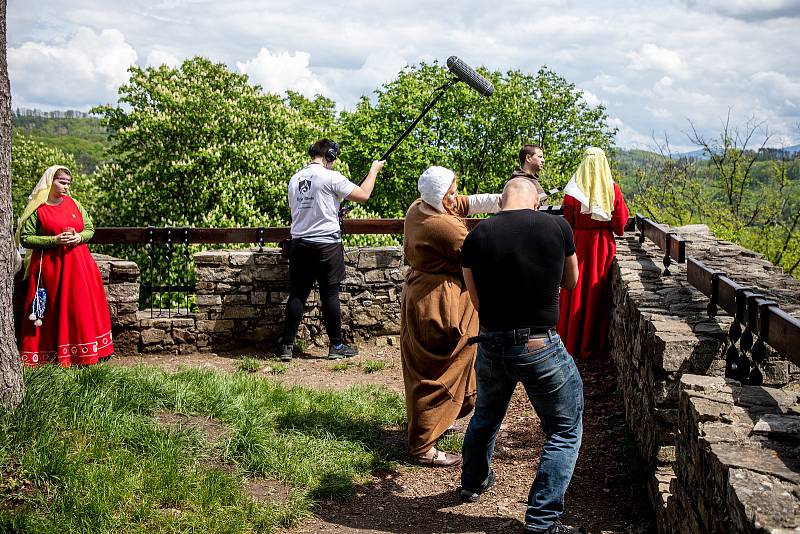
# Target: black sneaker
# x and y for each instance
(285, 353)
(556, 528)
(467, 495)
(345, 351)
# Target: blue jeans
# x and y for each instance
(555, 389)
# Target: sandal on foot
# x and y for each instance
(439, 459)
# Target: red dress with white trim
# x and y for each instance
(76, 327)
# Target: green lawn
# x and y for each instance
(84, 454)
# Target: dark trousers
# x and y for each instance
(310, 262)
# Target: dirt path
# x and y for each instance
(606, 495)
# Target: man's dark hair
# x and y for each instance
(526, 151)
(324, 148)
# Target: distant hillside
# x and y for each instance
(764, 154)
(82, 137)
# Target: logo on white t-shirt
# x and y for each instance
(304, 186)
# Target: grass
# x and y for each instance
(248, 364)
(340, 366)
(373, 366)
(451, 443)
(277, 368)
(83, 454)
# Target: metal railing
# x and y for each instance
(166, 274)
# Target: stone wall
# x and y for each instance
(660, 330)
(738, 459)
(121, 281)
(241, 296)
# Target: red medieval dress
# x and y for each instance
(584, 311)
(76, 327)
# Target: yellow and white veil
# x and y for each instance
(593, 186)
(37, 197)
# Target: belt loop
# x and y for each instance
(550, 334)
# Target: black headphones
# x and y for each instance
(330, 155)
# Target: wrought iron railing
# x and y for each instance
(166, 280)
(672, 244)
(167, 275)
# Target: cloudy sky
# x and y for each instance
(653, 64)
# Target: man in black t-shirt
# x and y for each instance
(514, 264)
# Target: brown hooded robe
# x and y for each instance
(436, 318)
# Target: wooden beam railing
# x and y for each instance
(762, 318)
(672, 244)
(124, 235)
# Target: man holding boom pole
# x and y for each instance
(315, 251)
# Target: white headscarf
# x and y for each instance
(433, 185)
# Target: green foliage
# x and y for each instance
(277, 368)
(452, 442)
(321, 111)
(30, 158)
(83, 452)
(82, 137)
(479, 138)
(340, 366)
(199, 145)
(741, 196)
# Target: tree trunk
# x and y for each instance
(11, 387)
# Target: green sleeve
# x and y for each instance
(30, 236)
(88, 225)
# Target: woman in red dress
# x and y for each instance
(73, 326)
(594, 207)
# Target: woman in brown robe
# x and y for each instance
(437, 316)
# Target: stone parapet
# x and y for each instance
(241, 297)
(660, 330)
(738, 460)
(121, 281)
(163, 333)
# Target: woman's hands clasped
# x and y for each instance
(68, 238)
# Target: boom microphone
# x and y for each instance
(467, 74)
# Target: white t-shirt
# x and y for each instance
(315, 194)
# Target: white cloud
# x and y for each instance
(590, 98)
(629, 137)
(612, 85)
(350, 84)
(659, 113)
(85, 70)
(276, 73)
(653, 67)
(652, 57)
(776, 90)
(157, 57)
(750, 9)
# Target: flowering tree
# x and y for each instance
(198, 145)
(477, 137)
